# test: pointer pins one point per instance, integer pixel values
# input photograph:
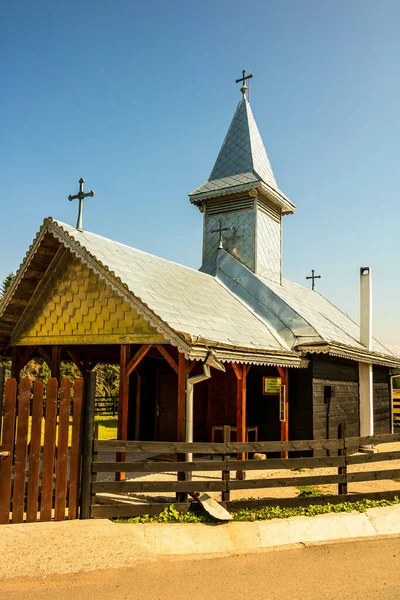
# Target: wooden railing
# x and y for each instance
(223, 459)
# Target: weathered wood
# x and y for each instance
(9, 408)
(158, 467)
(237, 370)
(342, 470)
(315, 500)
(46, 504)
(291, 446)
(272, 482)
(284, 375)
(287, 463)
(164, 352)
(137, 404)
(383, 438)
(34, 452)
(76, 450)
(55, 361)
(373, 475)
(62, 451)
(121, 487)
(136, 360)
(181, 397)
(159, 447)
(105, 511)
(226, 475)
(90, 394)
(21, 447)
(372, 457)
(45, 355)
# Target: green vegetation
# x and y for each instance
(107, 427)
(6, 284)
(171, 515)
(308, 491)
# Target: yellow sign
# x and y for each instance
(271, 385)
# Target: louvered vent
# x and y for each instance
(220, 206)
(269, 209)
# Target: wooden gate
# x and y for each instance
(40, 444)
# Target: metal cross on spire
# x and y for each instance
(244, 87)
(313, 277)
(80, 196)
(220, 230)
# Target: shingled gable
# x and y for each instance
(190, 309)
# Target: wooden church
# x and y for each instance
(233, 343)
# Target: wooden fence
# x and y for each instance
(221, 457)
(40, 463)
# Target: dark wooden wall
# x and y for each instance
(342, 376)
(263, 410)
(382, 404)
(300, 404)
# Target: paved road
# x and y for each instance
(367, 570)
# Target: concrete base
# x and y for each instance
(39, 549)
(370, 449)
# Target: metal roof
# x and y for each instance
(189, 302)
(242, 159)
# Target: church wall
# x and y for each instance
(300, 404)
(382, 403)
(239, 241)
(268, 247)
(343, 407)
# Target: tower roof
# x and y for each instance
(242, 162)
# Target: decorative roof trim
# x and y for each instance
(245, 356)
(351, 353)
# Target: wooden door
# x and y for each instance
(166, 406)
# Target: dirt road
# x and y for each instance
(366, 569)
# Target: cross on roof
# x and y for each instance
(220, 230)
(313, 277)
(80, 196)
(244, 87)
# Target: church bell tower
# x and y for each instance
(241, 202)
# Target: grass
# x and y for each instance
(171, 515)
(308, 491)
(107, 428)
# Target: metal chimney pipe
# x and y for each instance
(365, 369)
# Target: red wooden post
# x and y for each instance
(49, 448)
(62, 453)
(181, 397)
(284, 375)
(76, 450)
(55, 361)
(21, 447)
(10, 402)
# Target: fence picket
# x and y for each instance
(10, 401)
(49, 450)
(24, 398)
(76, 450)
(34, 452)
(62, 451)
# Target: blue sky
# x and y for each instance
(136, 97)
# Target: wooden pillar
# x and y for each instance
(123, 402)
(241, 425)
(55, 361)
(284, 375)
(182, 373)
(14, 360)
(137, 405)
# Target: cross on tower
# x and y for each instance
(220, 230)
(80, 196)
(244, 87)
(313, 277)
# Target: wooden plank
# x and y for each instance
(105, 511)
(159, 467)
(34, 452)
(287, 463)
(284, 374)
(2, 382)
(122, 487)
(315, 500)
(238, 371)
(241, 412)
(55, 361)
(21, 449)
(137, 404)
(371, 457)
(88, 438)
(159, 447)
(136, 360)
(272, 482)
(10, 403)
(181, 397)
(164, 352)
(46, 504)
(76, 450)
(384, 438)
(373, 475)
(291, 446)
(62, 451)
